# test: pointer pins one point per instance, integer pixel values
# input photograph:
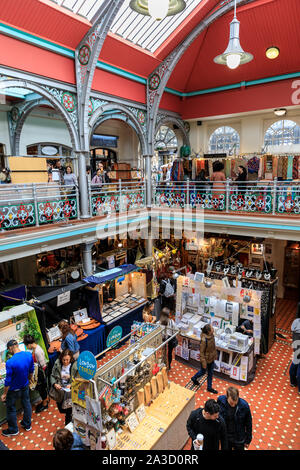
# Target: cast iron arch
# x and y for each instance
(132, 121)
(21, 121)
(169, 120)
(168, 65)
(46, 95)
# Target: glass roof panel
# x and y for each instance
(138, 29)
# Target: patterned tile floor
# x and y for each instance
(274, 403)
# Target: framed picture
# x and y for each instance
(229, 307)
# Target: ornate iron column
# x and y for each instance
(87, 258)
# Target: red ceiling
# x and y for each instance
(263, 24)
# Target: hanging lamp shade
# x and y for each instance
(158, 9)
(234, 54)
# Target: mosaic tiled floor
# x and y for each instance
(275, 405)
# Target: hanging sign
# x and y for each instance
(114, 336)
(87, 365)
(63, 298)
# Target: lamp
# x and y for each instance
(280, 111)
(272, 52)
(234, 54)
(158, 9)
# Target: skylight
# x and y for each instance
(138, 29)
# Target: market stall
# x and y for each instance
(132, 404)
(224, 307)
(15, 322)
(124, 301)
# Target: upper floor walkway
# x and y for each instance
(29, 211)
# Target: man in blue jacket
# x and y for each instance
(19, 370)
(237, 415)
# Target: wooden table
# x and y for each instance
(164, 427)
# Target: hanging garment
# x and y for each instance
(261, 170)
(227, 168)
(275, 167)
(280, 167)
(284, 167)
(253, 165)
(290, 167)
(295, 167)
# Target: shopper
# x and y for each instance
(166, 321)
(218, 178)
(70, 178)
(295, 366)
(66, 440)
(103, 174)
(39, 358)
(237, 415)
(63, 372)
(206, 421)
(240, 180)
(58, 173)
(97, 179)
(19, 370)
(208, 354)
(167, 291)
(69, 339)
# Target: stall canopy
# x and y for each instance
(110, 274)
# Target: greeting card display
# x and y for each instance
(106, 396)
(132, 422)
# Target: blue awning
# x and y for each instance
(110, 274)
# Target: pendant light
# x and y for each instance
(234, 54)
(158, 9)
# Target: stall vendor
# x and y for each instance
(246, 327)
(148, 313)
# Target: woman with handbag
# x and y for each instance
(40, 362)
(69, 339)
(63, 372)
(166, 321)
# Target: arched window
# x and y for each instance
(225, 139)
(283, 133)
(165, 139)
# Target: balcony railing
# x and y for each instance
(31, 205)
(251, 197)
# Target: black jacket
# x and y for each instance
(213, 431)
(243, 419)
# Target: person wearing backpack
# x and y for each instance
(167, 289)
(208, 354)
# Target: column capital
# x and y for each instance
(86, 153)
(145, 156)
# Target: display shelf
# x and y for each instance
(159, 429)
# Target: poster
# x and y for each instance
(256, 346)
(195, 355)
(244, 368)
(235, 372)
(93, 413)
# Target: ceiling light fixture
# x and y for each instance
(158, 9)
(272, 52)
(280, 112)
(234, 54)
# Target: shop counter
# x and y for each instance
(159, 430)
(95, 343)
(232, 365)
